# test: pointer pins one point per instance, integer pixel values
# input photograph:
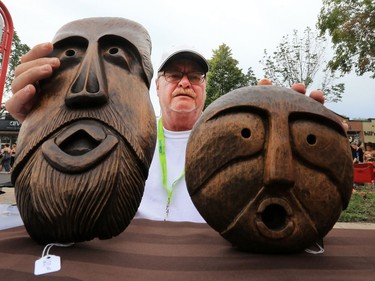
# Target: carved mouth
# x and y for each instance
(79, 147)
(273, 218)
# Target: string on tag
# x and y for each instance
(49, 246)
(320, 250)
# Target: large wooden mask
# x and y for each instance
(85, 149)
(269, 169)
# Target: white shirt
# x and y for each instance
(155, 197)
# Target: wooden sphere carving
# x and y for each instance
(269, 169)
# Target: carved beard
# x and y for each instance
(59, 207)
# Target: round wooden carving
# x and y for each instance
(269, 169)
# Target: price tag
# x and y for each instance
(47, 264)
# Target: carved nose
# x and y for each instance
(279, 159)
(87, 89)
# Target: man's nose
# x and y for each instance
(279, 170)
(184, 82)
(88, 88)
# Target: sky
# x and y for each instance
(246, 26)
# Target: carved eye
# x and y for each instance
(70, 53)
(113, 51)
(117, 56)
(311, 139)
(69, 56)
(246, 133)
(230, 136)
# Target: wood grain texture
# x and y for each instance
(85, 149)
(269, 169)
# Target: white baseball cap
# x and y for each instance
(184, 52)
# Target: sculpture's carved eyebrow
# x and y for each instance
(115, 40)
(239, 109)
(317, 118)
(111, 39)
(74, 41)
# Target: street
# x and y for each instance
(4, 177)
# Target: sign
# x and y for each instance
(9, 125)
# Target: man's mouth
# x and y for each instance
(79, 147)
(183, 95)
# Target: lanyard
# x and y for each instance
(164, 170)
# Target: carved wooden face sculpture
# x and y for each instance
(269, 169)
(85, 149)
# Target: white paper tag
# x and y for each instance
(47, 264)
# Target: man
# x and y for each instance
(181, 88)
(180, 85)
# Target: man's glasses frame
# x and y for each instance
(195, 77)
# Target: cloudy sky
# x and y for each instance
(246, 26)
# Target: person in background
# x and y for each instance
(357, 151)
(13, 154)
(6, 157)
(181, 88)
(369, 154)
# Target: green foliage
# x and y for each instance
(361, 207)
(298, 60)
(17, 50)
(224, 74)
(351, 24)
(332, 92)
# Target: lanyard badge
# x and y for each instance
(164, 170)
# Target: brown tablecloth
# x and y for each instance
(150, 250)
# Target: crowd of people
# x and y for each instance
(362, 154)
(7, 156)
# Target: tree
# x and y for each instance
(17, 50)
(299, 60)
(224, 74)
(351, 24)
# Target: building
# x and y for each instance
(363, 129)
(369, 130)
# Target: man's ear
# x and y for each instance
(157, 86)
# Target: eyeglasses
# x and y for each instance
(176, 76)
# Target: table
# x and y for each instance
(156, 250)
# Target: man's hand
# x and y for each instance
(317, 95)
(34, 66)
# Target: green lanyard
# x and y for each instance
(163, 163)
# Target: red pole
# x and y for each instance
(6, 45)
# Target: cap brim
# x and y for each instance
(185, 54)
